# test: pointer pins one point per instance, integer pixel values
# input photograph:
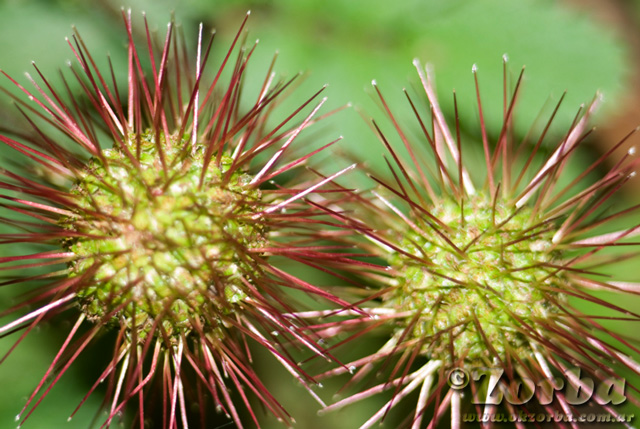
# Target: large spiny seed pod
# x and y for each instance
(160, 212)
(483, 282)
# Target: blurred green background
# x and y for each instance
(346, 44)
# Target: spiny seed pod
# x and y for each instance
(485, 284)
(160, 212)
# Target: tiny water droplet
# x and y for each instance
(352, 369)
(319, 385)
(474, 68)
(17, 418)
(375, 317)
(275, 333)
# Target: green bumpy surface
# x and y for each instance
(166, 248)
(479, 301)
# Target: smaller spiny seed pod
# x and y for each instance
(484, 285)
(160, 212)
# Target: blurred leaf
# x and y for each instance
(36, 31)
(349, 43)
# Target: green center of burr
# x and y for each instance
(476, 301)
(162, 242)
